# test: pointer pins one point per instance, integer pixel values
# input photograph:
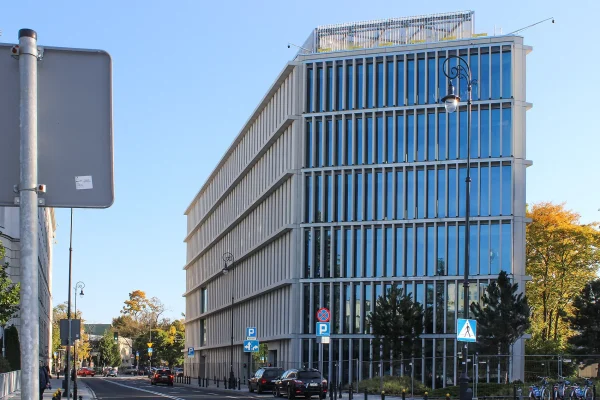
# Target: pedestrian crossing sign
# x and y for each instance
(466, 330)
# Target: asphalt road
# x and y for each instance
(140, 389)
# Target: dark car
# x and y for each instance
(264, 379)
(162, 376)
(301, 383)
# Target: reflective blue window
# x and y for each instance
(442, 81)
(370, 85)
(441, 261)
(357, 309)
(452, 136)
(463, 119)
(329, 198)
(379, 199)
(309, 90)
(484, 77)
(319, 155)
(389, 127)
(484, 190)
(400, 151)
(473, 250)
(389, 201)
(318, 188)
(410, 82)
(337, 254)
(307, 254)
(462, 187)
(420, 256)
(390, 84)
(349, 197)
(450, 321)
(485, 132)
(329, 88)
(359, 141)
(309, 199)
(506, 248)
(496, 132)
(506, 190)
(389, 247)
(379, 84)
(379, 252)
(367, 309)
(410, 194)
(349, 87)
(340, 198)
(452, 184)
(474, 191)
(431, 136)
(339, 72)
(506, 132)
(421, 137)
(339, 145)
(400, 195)
(495, 249)
(410, 136)
(329, 150)
(461, 250)
(349, 158)
(346, 306)
(380, 139)
(421, 98)
(430, 193)
(400, 79)
(320, 103)
(358, 257)
(495, 195)
(506, 75)
(359, 197)
(474, 134)
(431, 261)
(318, 261)
(348, 252)
(441, 193)
(308, 153)
(410, 252)
(399, 251)
(442, 148)
(474, 65)
(484, 249)
(369, 196)
(359, 86)
(431, 87)
(421, 194)
(368, 252)
(369, 140)
(496, 75)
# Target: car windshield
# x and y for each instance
(165, 372)
(308, 375)
(271, 373)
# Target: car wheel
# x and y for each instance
(290, 394)
(250, 388)
(275, 394)
(259, 389)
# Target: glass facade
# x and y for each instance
(384, 187)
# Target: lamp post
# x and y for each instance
(451, 100)
(79, 285)
(228, 258)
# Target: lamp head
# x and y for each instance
(225, 269)
(451, 100)
(81, 293)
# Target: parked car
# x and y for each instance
(110, 372)
(300, 383)
(162, 376)
(85, 371)
(264, 378)
(178, 371)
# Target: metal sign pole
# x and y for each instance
(30, 340)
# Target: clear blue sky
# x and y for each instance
(187, 75)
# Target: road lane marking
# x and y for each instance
(145, 390)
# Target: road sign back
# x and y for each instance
(466, 330)
(75, 132)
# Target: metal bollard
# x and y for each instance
(215, 379)
(331, 390)
(448, 396)
(206, 382)
(239, 384)
(366, 394)
(217, 382)
(403, 394)
(199, 381)
(382, 395)
(340, 390)
(225, 385)
(425, 396)
(350, 390)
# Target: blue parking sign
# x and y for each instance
(322, 329)
(250, 333)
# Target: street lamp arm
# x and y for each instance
(460, 71)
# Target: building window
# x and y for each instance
(203, 332)
(203, 300)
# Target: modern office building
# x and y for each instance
(349, 177)
(9, 235)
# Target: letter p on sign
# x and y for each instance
(322, 329)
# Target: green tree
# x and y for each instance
(9, 292)
(109, 350)
(500, 302)
(585, 320)
(562, 256)
(13, 347)
(397, 323)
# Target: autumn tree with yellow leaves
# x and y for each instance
(562, 256)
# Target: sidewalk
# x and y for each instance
(83, 390)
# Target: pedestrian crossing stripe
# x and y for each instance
(466, 330)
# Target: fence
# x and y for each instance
(9, 382)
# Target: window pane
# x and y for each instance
(368, 252)
(431, 79)
(452, 136)
(495, 249)
(359, 197)
(309, 199)
(495, 75)
(329, 88)
(349, 158)
(359, 141)
(357, 308)
(410, 260)
(495, 195)
(484, 80)
(441, 196)
(389, 180)
(348, 252)
(379, 84)
(452, 183)
(461, 250)
(410, 82)
(410, 135)
(421, 81)
(318, 261)
(473, 257)
(390, 139)
(400, 79)
(359, 86)
(339, 198)
(389, 247)
(320, 104)
(318, 189)
(484, 249)
(506, 248)
(349, 197)
(431, 261)
(370, 85)
(399, 251)
(474, 134)
(379, 252)
(379, 140)
(349, 87)
(339, 139)
(390, 84)
(328, 199)
(441, 251)
(506, 190)
(442, 148)
(329, 149)
(347, 297)
(439, 313)
(367, 308)
(474, 65)
(309, 90)
(496, 133)
(451, 302)
(308, 161)
(369, 196)
(400, 140)
(421, 137)
(462, 191)
(338, 254)
(420, 194)
(463, 119)
(506, 132)
(358, 255)
(319, 156)
(430, 193)
(369, 140)
(485, 132)
(307, 309)
(410, 195)
(506, 75)
(452, 270)
(400, 195)
(431, 136)
(474, 191)
(335, 307)
(484, 191)
(307, 254)
(327, 261)
(420, 256)
(379, 198)
(339, 86)
(442, 82)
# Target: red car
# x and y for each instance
(162, 376)
(86, 372)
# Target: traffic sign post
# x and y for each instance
(466, 330)
(322, 330)
(251, 346)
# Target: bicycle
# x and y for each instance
(539, 392)
(585, 392)
(560, 388)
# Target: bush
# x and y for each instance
(13, 348)
(4, 365)
(392, 385)
(483, 389)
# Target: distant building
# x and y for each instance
(9, 235)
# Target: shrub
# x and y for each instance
(392, 385)
(4, 365)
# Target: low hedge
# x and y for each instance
(392, 385)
